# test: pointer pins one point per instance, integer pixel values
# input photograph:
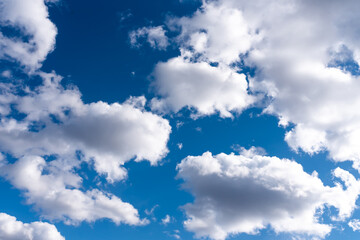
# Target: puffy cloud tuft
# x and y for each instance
(219, 33)
(355, 224)
(155, 36)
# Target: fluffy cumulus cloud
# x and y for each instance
(11, 229)
(155, 36)
(305, 58)
(48, 132)
(58, 122)
(198, 85)
(214, 32)
(304, 67)
(55, 192)
(248, 192)
(307, 62)
(27, 35)
(58, 132)
(205, 77)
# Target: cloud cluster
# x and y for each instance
(47, 131)
(27, 34)
(248, 192)
(304, 57)
(303, 66)
(306, 61)
(203, 78)
(11, 229)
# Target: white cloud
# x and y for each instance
(246, 193)
(6, 74)
(54, 190)
(155, 36)
(303, 62)
(166, 220)
(30, 18)
(50, 131)
(180, 145)
(174, 234)
(306, 60)
(11, 229)
(58, 124)
(311, 140)
(218, 32)
(202, 77)
(6, 97)
(108, 134)
(354, 224)
(151, 211)
(197, 85)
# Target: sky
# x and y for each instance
(179, 119)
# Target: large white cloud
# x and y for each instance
(58, 132)
(58, 122)
(197, 85)
(11, 229)
(54, 190)
(50, 131)
(305, 55)
(307, 62)
(247, 192)
(203, 78)
(216, 32)
(34, 34)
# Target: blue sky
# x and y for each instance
(179, 119)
